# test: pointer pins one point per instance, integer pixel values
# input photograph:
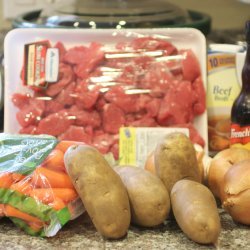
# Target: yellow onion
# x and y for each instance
(150, 163)
(236, 192)
(219, 166)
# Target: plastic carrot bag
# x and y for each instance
(35, 191)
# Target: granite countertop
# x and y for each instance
(81, 234)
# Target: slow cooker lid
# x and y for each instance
(121, 8)
(122, 12)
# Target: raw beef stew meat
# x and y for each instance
(96, 93)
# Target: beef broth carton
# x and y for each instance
(224, 82)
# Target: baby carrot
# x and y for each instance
(66, 194)
(5, 180)
(57, 204)
(55, 160)
(39, 180)
(44, 195)
(17, 177)
(35, 226)
(1, 210)
(44, 178)
(47, 195)
(57, 168)
(13, 212)
(24, 186)
(64, 145)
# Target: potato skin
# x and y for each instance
(100, 189)
(175, 159)
(195, 211)
(149, 198)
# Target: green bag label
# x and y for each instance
(22, 153)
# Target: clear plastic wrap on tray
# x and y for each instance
(140, 80)
(36, 193)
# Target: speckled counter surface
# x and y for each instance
(81, 234)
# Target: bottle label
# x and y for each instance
(240, 134)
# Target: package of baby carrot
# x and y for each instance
(35, 191)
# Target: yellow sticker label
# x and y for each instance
(127, 146)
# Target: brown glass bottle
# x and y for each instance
(240, 114)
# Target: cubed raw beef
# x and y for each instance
(89, 130)
(76, 133)
(24, 117)
(77, 107)
(66, 76)
(75, 55)
(142, 63)
(31, 112)
(149, 43)
(85, 98)
(193, 133)
(52, 107)
(37, 104)
(144, 122)
(140, 115)
(118, 63)
(100, 103)
(67, 95)
(55, 124)
(115, 150)
(129, 75)
(103, 142)
(175, 67)
(122, 46)
(86, 118)
(153, 107)
(93, 56)
(133, 70)
(127, 102)
(129, 118)
(99, 132)
(190, 65)
(143, 100)
(157, 78)
(31, 130)
(176, 106)
(20, 100)
(27, 117)
(199, 96)
(61, 49)
(113, 118)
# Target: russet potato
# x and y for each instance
(148, 197)
(195, 211)
(175, 159)
(101, 190)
